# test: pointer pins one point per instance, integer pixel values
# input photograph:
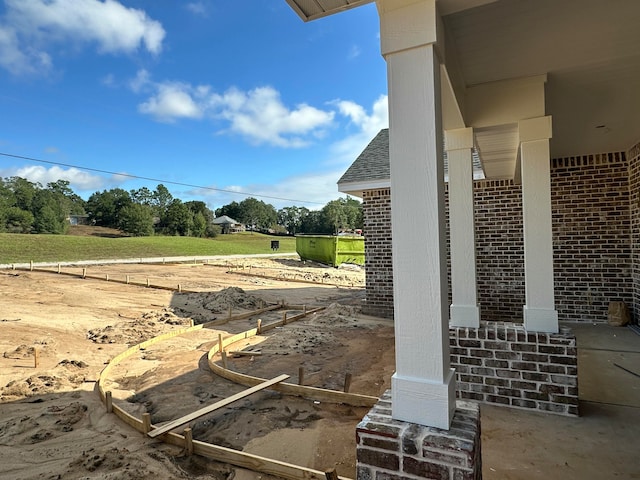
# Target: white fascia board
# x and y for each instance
(356, 188)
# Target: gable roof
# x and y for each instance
(224, 220)
(371, 169)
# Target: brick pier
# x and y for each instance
(389, 449)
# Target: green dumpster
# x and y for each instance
(331, 250)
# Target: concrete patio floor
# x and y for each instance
(603, 443)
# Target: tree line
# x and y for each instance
(28, 207)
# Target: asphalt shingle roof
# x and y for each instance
(372, 163)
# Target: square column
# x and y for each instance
(464, 309)
(539, 311)
(423, 386)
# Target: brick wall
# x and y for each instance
(502, 363)
(591, 235)
(378, 266)
(592, 224)
(634, 200)
(390, 449)
(499, 249)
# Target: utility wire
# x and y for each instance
(97, 170)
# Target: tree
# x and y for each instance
(18, 220)
(232, 210)
(24, 191)
(291, 218)
(104, 208)
(199, 228)
(48, 220)
(162, 198)
(343, 214)
(136, 220)
(177, 220)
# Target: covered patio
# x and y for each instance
(501, 89)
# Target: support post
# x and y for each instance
(539, 311)
(36, 360)
(188, 441)
(423, 386)
(347, 382)
(108, 400)
(464, 310)
(146, 423)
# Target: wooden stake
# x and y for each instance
(109, 401)
(300, 375)
(230, 311)
(107, 277)
(347, 382)
(127, 279)
(147, 281)
(284, 318)
(58, 268)
(84, 273)
(188, 441)
(146, 423)
(224, 359)
(179, 288)
(331, 474)
(35, 357)
(220, 344)
(304, 308)
(258, 330)
(31, 265)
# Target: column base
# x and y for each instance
(425, 403)
(391, 449)
(464, 316)
(540, 319)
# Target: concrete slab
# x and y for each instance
(604, 382)
(601, 336)
(601, 444)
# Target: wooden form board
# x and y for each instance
(222, 403)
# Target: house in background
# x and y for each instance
(228, 224)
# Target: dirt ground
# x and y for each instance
(53, 425)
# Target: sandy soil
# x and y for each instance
(53, 425)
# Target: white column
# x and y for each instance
(464, 310)
(539, 311)
(423, 386)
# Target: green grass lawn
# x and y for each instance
(17, 248)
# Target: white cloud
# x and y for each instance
(346, 150)
(197, 8)
(258, 115)
(354, 52)
(30, 27)
(78, 179)
(172, 101)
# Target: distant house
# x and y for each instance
(78, 220)
(228, 224)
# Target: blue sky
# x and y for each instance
(229, 95)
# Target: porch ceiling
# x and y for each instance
(589, 50)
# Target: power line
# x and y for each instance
(97, 170)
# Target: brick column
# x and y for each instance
(391, 449)
(464, 309)
(539, 311)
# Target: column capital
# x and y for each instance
(406, 24)
(533, 129)
(458, 139)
